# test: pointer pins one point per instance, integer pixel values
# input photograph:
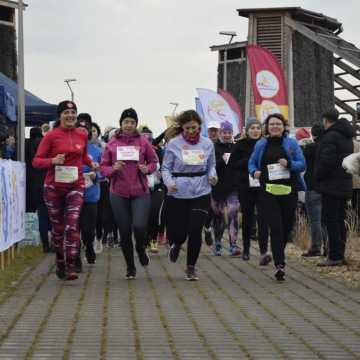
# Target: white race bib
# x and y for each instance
(88, 181)
(226, 157)
(253, 182)
(193, 157)
(127, 153)
(66, 174)
(278, 172)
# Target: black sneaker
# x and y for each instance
(191, 274)
(78, 265)
(312, 253)
(131, 274)
(174, 252)
(60, 272)
(208, 237)
(280, 273)
(90, 255)
(265, 259)
(144, 258)
(246, 256)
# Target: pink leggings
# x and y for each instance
(64, 206)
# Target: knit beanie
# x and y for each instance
(84, 117)
(251, 121)
(129, 113)
(226, 126)
(66, 105)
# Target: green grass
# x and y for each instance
(23, 264)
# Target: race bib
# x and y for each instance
(88, 181)
(193, 157)
(278, 172)
(226, 157)
(66, 174)
(253, 182)
(127, 153)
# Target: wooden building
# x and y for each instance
(310, 51)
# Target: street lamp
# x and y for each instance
(68, 81)
(232, 34)
(175, 104)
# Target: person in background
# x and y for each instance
(312, 197)
(88, 215)
(63, 153)
(249, 191)
(213, 128)
(332, 181)
(224, 194)
(277, 161)
(10, 148)
(188, 172)
(127, 160)
(35, 188)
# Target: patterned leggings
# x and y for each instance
(218, 206)
(64, 207)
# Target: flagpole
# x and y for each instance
(21, 90)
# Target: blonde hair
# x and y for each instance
(180, 121)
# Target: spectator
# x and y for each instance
(333, 182)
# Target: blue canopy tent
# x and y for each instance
(37, 111)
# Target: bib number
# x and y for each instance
(193, 157)
(66, 174)
(253, 182)
(278, 172)
(127, 153)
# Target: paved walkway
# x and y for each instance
(235, 311)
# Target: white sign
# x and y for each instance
(66, 174)
(127, 153)
(278, 172)
(267, 84)
(253, 182)
(193, 157)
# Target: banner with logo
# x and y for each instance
(216, 108)
(268, 83)
(235, 107)
(12, 203)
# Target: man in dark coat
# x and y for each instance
(333, 182)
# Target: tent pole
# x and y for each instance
(21, 90)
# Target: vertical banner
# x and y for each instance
(235, 107)
(216, 108)
(200, 111)
(268, 83)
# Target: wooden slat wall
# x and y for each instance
(269, 34)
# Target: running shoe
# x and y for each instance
(78, 265)
(144, 258)
(246, 256)
(208, 237)
(154, 247)
(217, 249)
(131, 274)
(234, 250)
(280, 273)
(60, 272)
(191, 274)
(174, 252)
(70, 276)
(265, 259)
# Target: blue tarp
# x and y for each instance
(37, 111)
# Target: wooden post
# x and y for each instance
(2, 261)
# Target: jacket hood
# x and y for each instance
(344, 127)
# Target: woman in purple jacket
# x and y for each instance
(126, 161)
(188, 172)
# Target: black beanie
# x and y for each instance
(129, 113)
(84, 117)
(66, 105)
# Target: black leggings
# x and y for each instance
(279, 213)
(185, 219)
(87, 224)
(156, 200)
(249, 199)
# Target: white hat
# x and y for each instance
(213, 125)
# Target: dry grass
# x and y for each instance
(350, 273)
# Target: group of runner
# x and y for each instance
(205, 179)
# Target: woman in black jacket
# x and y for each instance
(248, 190)
(224, 193)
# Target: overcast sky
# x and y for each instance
(139, 53)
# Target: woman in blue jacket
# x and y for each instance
(277, 161)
